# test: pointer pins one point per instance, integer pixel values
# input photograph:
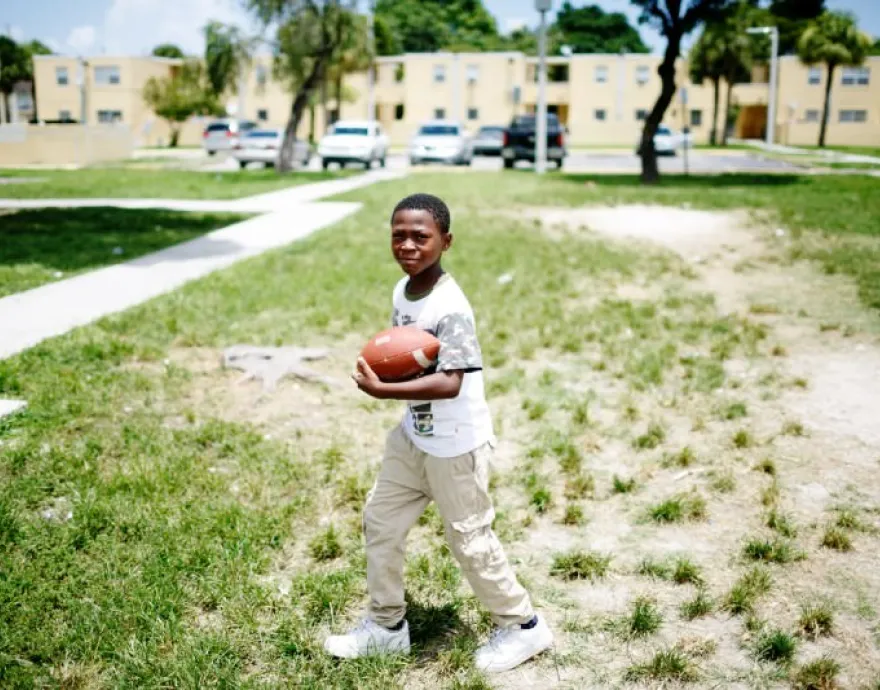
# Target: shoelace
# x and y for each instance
(497, 636)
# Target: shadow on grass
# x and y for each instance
(35, 244)
(678, 180)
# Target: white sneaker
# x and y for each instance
(509, 647)
(368, 639)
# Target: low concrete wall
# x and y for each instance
(23, 144)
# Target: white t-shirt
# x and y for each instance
(446, 428)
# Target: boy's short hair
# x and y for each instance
(426, 202)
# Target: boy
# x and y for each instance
(440, 451)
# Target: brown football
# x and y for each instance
(401, 352)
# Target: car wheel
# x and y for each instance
(382, 162)
(413, 161)
(508, 163)
(242, 164)
(210, 152)
(325, 164)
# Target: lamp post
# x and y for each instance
(774, 76)
(371, 49)
(543, 6)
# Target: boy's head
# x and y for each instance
(420, 232)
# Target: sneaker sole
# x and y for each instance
(517, 662)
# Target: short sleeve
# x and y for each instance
(459, 347)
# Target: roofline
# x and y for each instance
(89, 58)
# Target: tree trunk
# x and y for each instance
(324, 99)
(339, 95)
(824, 125)
(713, 135)
(727, 97)
(175, 136)
(300, 102)
(311, 124)
(647, 152)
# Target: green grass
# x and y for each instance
(679, 508)
(701, 605)
(666, 665)
(816, 620)
(746, 591)
(644, 619)
(124, 183)
(771, 551)
(776, 645)
(36, 245)
(819, 674)
(835, 538)
(580, 565)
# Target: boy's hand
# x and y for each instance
(366, 379)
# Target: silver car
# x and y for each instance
(442, 141)
(264, 145)
(223, 135)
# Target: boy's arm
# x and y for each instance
(442, 385)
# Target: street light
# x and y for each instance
(371, 48)
(774, 72)
(543, 6)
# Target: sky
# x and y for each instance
(134, 27)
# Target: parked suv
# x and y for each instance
(519, 140)
(223, 135)
(354, 141)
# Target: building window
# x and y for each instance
(600, 114)
(696, 118)
(108, 117)
(107, 74)
(262, 115)
(641, 115)
(64, 115)
(399, 73)
(557, 73)
(600, 74)
(473, 114)
(399, 111)
(853, 115)
(814, 76)
(61, 77)
(855, 76)
(472, 73)
(439, 113)
(261, 74)
(811, 116)
(439, 74)
(643, 73)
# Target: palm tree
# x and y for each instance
(705, 64)
(227, 53)
(352, 56)
(834, 40)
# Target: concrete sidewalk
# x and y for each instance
(27, 318)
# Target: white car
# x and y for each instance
(264, 145)
(441, 140)
(354, 141)
(667, 142)
(223, 135)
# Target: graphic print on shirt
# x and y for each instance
(422, 419)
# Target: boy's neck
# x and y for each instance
(425, 281)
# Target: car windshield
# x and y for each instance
(357, 131)
(439, 130)
(663, 130)
(218, 127)
(491, 131)
(529, 120)
(262, 134)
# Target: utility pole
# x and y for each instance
(774, 77)
(543, 6)
(371, 49)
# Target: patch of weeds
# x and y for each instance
(793, 429)
(580, 486)
(816, 620)
(777, 646)
(541, 499)
(325, 546)
(580, 415)
(742, 439)
(847, 519)
(580, 565)
(700, 605)
(534, 409)
(800, 382)
(570, 458)
(819, 674)
(735, 410)
(835, 538)
(685, 571)
(767, 466)
(770, 495)
(679, 508)
(666, 665)
(619, 485)
(747, 590)
(779, 351)
(630, 412)
(781, 523)
(722, 482)
(352, 492)
(652, 568)
(683, 458)
(763, 309)
(826, 327)
(776, 551)
(574, 515)
(644, 619)
(653, 437)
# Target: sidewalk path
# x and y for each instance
(27, 318)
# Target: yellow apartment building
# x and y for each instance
(601, 99)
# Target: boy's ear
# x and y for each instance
(447, 241)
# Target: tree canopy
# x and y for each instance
(167, 50)
(590, 29)
(181, 95)
(791, 18)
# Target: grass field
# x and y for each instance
(125, 183)
(162, 525)
(42, 245)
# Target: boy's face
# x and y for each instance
(416, 241)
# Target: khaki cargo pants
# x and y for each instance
(408, 481)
